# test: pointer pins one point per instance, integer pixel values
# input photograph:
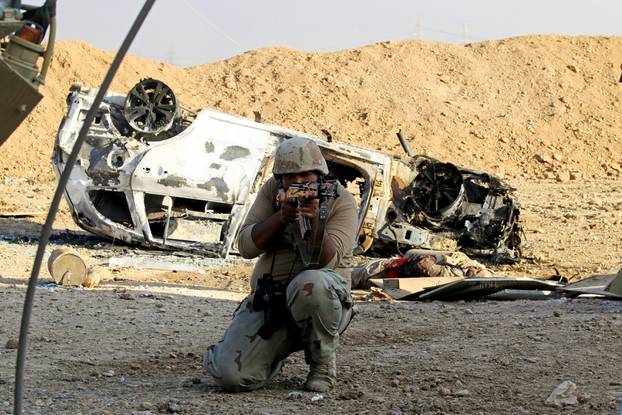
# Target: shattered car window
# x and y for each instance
(155, 174)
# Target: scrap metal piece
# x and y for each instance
(472, 288)
(531, 295)
(67, 267)
(167, 202)
(438, 190)
(139, 262)
(405, 288)
(21, 214)
(615, 286)
(404, 144)
(151, 107)
(601, 285)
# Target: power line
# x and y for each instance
(213, 25)
(49, 221)
(463, 35)
(172, 58)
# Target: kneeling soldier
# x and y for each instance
(291, 307)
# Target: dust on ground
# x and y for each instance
(541, 111)
(135, 344)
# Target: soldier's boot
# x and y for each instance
(321, 377)
(316, 300)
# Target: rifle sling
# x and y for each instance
(311, 260)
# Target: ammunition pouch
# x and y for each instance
(270, 297)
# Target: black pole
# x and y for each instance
(64, 178)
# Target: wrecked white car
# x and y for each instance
(154, 174)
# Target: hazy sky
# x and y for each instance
(192, 32)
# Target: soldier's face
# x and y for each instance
(303, 177)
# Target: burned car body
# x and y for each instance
(153, 174)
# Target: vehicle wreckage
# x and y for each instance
(153, 173)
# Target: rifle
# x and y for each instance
(309, 239)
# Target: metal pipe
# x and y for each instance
(168, 202)
(47, 56)
(29, 7)
(47, 227)
(404, 143)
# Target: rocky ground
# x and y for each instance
(543, 112)
(134, 344)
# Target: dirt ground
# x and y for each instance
(134, 345)
(543, 112)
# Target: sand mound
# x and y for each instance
(542, 106)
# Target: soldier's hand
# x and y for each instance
(309, 208)
(289, 210)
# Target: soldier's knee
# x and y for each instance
(229, 380)
(311, 290)
(313, 295)
(226, 376)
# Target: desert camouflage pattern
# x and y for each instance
(319, 306)
(428, 264)
(298, 154)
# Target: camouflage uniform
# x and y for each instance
(428, 264)
(319, 308)
(318, 302)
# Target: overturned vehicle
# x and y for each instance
(155, 174)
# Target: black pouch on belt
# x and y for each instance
(269, 297)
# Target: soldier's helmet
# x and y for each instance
(298, 154)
